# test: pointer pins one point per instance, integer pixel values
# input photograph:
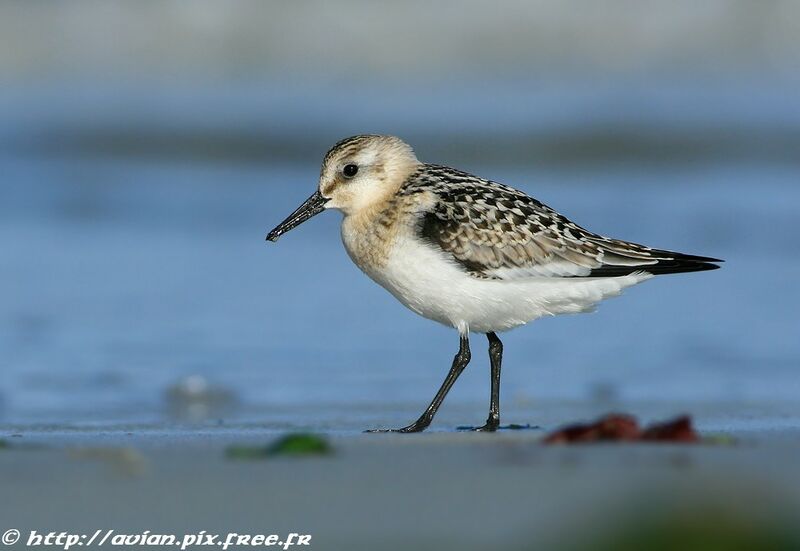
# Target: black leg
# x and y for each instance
(496, 358)
(459, 363)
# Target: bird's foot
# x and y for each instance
(491, 425)
(488, 427)
(417, 426)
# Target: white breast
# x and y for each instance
(427, 282)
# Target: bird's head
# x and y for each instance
(357, 173)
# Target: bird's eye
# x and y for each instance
(350, 170)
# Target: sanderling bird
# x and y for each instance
(470, 253)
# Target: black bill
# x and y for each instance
(312, 206)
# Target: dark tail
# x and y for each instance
(668, 263)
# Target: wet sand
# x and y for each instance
(441, 489)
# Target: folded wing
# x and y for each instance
(496, 232)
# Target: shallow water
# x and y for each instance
(122, 274)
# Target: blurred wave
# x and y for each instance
(356, 40)
(665, 121)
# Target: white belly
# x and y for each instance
(428, 283)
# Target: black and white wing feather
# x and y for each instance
(497, 232)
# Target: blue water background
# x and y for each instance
(126, 268)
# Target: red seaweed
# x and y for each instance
(619, 427)
(675, 430)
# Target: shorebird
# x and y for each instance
(470, 253)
